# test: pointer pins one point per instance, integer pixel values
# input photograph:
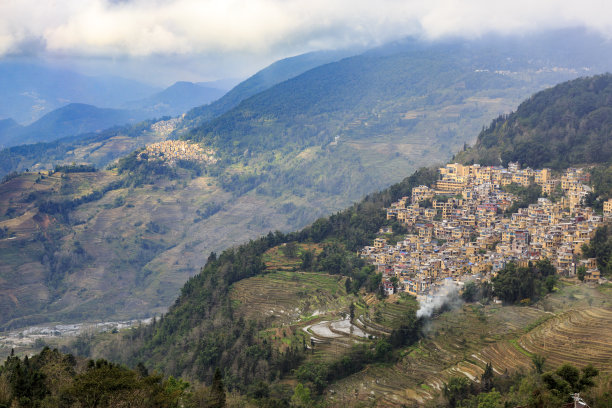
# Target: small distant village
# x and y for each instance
(165, 127)
(460, 230)
(172, 151)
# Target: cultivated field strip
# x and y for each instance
(288, 295)
(504, 357)
(579, 337)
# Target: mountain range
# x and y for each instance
(301, 148)
(74, 118)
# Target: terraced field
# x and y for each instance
(276, 260)
(579, 337)
(314, 307)
(289, 297)
(463, 341)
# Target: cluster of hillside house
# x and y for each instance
(460, 227)
(173, 150)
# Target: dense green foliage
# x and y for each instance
(52, 379)
(600, 248)
(75, 168)
(266, 78)
(601, 179)
(559, 127)
(513, 283)
(526, 196)
(550, 389)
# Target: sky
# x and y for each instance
(211, 39)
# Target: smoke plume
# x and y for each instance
(444, 296)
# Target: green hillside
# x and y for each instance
(565, 125)
(205, 328)
(277, 72)
(114, 244)
(102, 148)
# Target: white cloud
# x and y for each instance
(208, 36)
(153, 27)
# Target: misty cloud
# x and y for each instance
(138, 28)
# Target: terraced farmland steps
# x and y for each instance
(579, 337)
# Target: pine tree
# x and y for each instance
(487, 378)
(216, 399)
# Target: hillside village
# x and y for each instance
(460, 228)
(173, 150)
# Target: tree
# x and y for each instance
(301, 397)
(457, 389)
(581, 272)
(216, 397)
(307, 258)
(352, 311)
(492, 399)
(486, 379)
(538, 363)
(470, 290)
(348, 285)
(513, 283)
(586, 379)
(102, 382)
(290, 249)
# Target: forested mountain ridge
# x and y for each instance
(85, 148)
(273, 74)
(565, 125)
